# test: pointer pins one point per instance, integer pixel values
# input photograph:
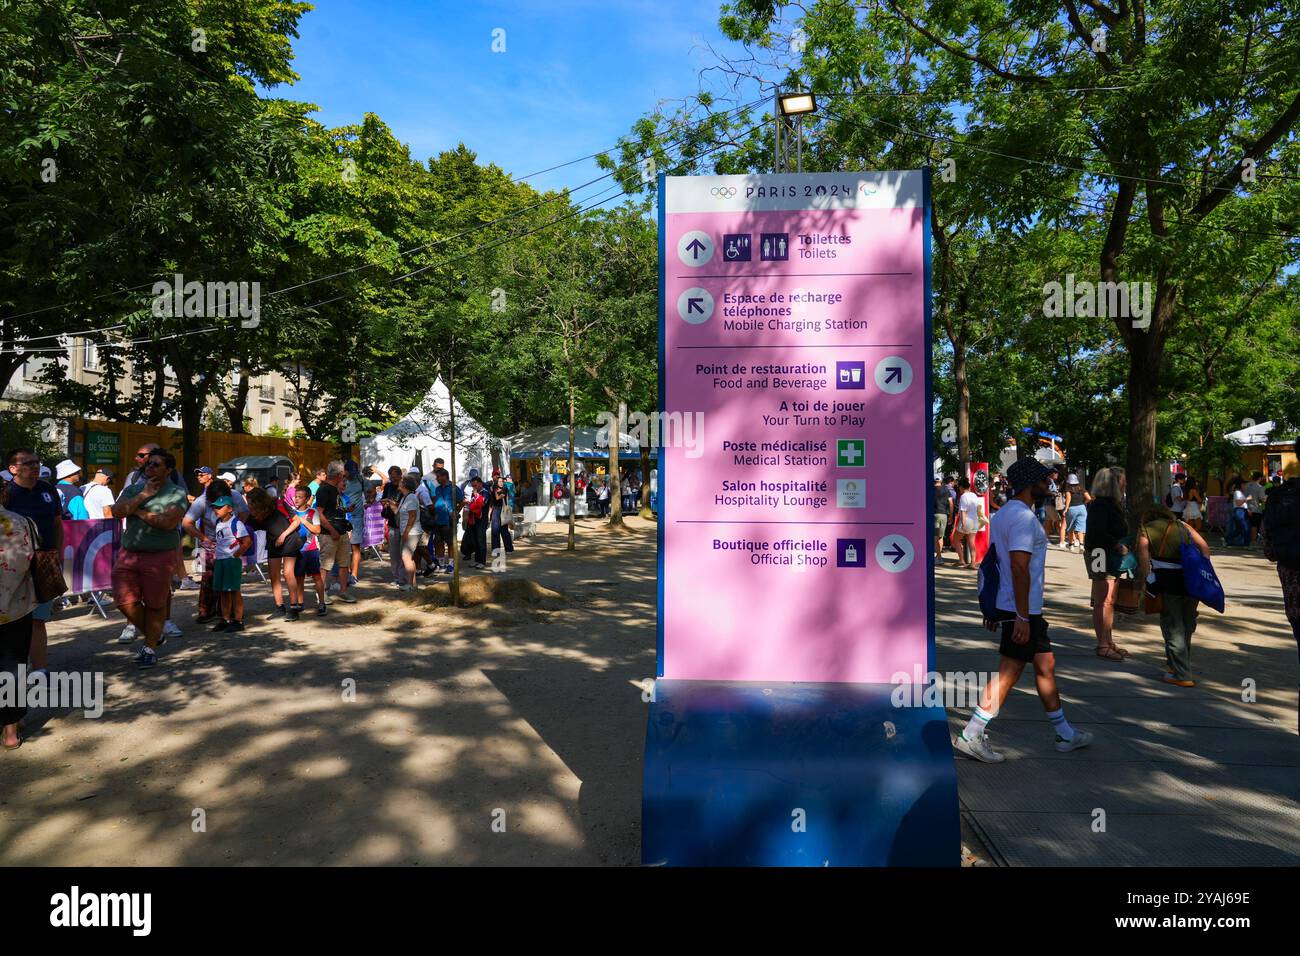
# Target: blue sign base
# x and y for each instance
(742, 774)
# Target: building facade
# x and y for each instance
(268, 409)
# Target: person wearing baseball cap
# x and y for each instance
(98, 495)
(1075, 525)
(233, 540)
(1018, 544)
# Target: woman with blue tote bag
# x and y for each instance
(1168, 549)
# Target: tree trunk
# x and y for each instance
(9, 364)
(962, 386)
(236, 406)
(573, 483)
(615, 482)
(646, 511)
(455, 545)
(1145, 351)
(191, 425)
(155, 413)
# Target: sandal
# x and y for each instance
(1109, 652)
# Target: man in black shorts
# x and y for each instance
(447, 500)
(1021, 545)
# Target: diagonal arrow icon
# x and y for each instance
(893, 373)
(695, 305)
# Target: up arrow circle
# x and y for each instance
(695, 248)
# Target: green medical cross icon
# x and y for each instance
(851, 452)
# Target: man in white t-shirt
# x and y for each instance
(1177, 498)
(98, 494)
(1021, 545)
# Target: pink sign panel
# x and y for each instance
(90, 547)
(373, 532)
(795, 479)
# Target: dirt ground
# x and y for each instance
(499, 734)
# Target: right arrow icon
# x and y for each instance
(893, 374)
(894, 553)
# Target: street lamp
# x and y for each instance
(792, 105)
(796, 104)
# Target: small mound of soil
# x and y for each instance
(485, 590)
(618, 529)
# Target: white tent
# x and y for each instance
(1255, 435)
(424, 434)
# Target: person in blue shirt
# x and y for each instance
(447, 502)
(74, 505)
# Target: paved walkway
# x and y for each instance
(538, 712)
(1182, 776)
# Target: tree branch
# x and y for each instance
(963, 54)
(1256, 151)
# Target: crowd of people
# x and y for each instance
(1031, 509)
(314, 536)
(593, 490)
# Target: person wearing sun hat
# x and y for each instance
(1021, 552)
(74, 505)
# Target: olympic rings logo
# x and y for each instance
(726, 192)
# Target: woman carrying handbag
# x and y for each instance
(17, 601)
(1104, 551)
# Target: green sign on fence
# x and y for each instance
(102, 448)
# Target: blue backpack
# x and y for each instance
(990, 579)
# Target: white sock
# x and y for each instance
(1063, 728)
(976, 725)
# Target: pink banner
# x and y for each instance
(373, 533)
(1217, 510)
(89, 548)
(796, 343)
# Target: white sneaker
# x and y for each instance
(977, 749)
(170, 629)
(127, 635)
(1081, 738)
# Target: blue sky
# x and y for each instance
(573, 78)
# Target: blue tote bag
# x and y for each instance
(1198, 574)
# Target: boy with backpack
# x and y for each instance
(1011, 596)
(233, 540)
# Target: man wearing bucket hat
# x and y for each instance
(1021, 552)
(66, 473)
